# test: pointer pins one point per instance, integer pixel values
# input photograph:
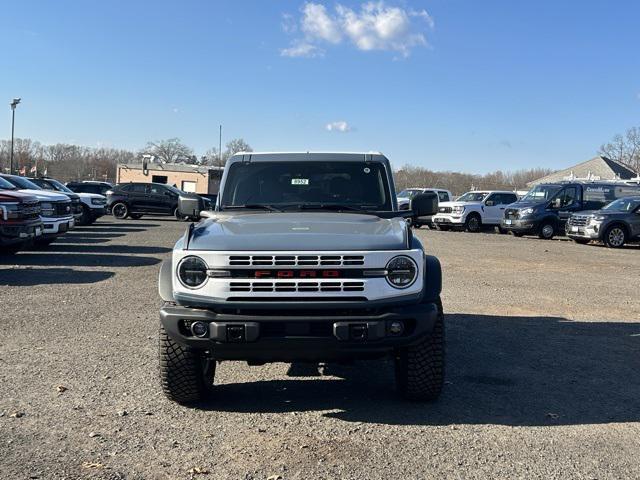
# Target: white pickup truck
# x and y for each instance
(473, 210)
(405, 196)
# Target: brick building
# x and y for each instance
(190, 178)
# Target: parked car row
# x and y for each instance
(607, 211)
(39, 210)
(133, 200)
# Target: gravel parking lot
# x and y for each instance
(543, 373)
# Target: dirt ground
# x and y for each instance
(543, 373)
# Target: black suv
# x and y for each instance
(135, 199)
(101, 188)
(545, 209)
(615, 224)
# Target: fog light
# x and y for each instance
(396, 328)
(199, 329)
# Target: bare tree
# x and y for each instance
(624, 148)
(458, 182)
(169, 151)
(234, 146)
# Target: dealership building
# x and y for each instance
(189, 178)
(598, 168)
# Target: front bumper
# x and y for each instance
(589, 231)
(15, 233)
(520, 225)
(320, 335)
(54, 226)
(449, 219)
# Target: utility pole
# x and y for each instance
(14, 104)
(220, 148)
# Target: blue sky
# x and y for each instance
(446, 84)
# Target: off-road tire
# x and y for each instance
(181, 371)
(473, 223)
(443, 228)
(502, 231)
(547, 230)
(517, 234)
(615, 236)
(420, 367)
(120, 210)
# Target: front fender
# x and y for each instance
(165, 281)
(432, 279)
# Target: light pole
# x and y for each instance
(14, 104)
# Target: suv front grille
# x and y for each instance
(444, 209)
(296, 260)
(62, 209)
(578, 220)
(512, 213)
(76, 207)
(28, 210)
(292, 287)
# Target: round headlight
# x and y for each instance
(401, 272)
(192, 272)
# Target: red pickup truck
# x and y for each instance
(20, 221)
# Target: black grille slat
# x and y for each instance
(296, 286)
(296, 260)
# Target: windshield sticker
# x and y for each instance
(299, 181)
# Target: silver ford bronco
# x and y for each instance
(306, 258)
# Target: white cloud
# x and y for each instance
(317, 24)
(375, 26)
(340, 126)
(302, 49)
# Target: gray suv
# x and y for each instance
(305, 258)
(615, 224)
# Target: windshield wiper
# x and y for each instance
(252, 206)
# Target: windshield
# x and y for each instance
(50, 185)
(4, 185)
(174, 189)
(355, 185)
(623, 205)
(541, 193)
(473, 197)
(408, 193)
(22, 183)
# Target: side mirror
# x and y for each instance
(489, 203)
(424, 204)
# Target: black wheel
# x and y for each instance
(420, 367)
(615, 236)
(473, 223)
(186, 375)
(547, 230)
(581, 241)
(416, 225)
(85, 219)
(179, 216)
(502, 231)
(517, 234)
(120, 210)
(135, 216)
(444, 228)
